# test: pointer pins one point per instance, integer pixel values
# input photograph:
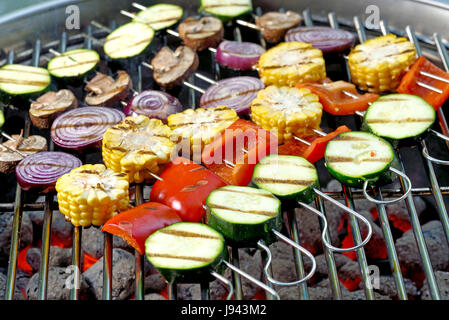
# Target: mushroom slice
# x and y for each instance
(201, 34)
(274, 24)
(172, 68)
(104, 91)
(50, 105)
(23, 146)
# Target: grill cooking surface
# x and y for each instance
(429, 181)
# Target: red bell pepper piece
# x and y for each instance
(184, 187)
(242, 144)
(409, 83)
(315, 151)
(335, 101)
(137, 224)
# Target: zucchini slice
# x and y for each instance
(186, 252)
(226, 9)
(160, 16)
(128, 41)
(399, 116)
(73, 64)
(353, 157)
(244, 215)
(18, 81)
(287, 177)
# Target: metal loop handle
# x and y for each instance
(226, 282)
(350, 211)
(406, 180)
(296, 247)
(252, 279)
(426, 155)
(439, 135)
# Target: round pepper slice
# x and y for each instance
(137, 224)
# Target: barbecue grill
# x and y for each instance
(27, 35)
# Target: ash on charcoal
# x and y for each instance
(442, 279)
(17, 293)
(59, 282)
(60, 228)
(123, 275)
(154, 296)
(26, 234)
(59, 257)
(189, 291)
(93, 242)
(410, 258)
(155, 283)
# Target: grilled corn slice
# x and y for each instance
(290, 63)
(378, 64)
(137, 146)
(200, 126)
(92, 194)
(287, 112)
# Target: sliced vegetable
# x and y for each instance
(83, 127)
(378, 64)
(399, 116)
(186, 252)
(328, 40)
(235, 93)
(160, 16)
(128, 41)
(73, 64)
(2, 119)
(23, 146)
(104, 91)
(244, 215)
(184, 187)
(137, 224)
(41, 170)
(18, 81)
(200, 126)
(238, 55)
(287, 112)
(137, 146)
(242, 145)
(275, 24)
(287, 177)
(353, 157)
(226, 9)
(409, 83)
(290, 63)
(172, 68)
(153, 104)
(92, 194)
(334, 99)
(200, 34)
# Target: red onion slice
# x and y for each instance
(42, 169)
(83, 127)
(153, 104)
(235, 93)
(326, 39)
(238, 55)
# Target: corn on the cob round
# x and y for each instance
(287, 112)
(378, 64)
(200, 126)
(92, 194)
(137, 146)
(290, 63)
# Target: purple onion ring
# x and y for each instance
(238, 55)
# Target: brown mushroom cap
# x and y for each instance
(9, 159)
(201, 34)
(107, 92)
(275, 24)
(51, 104)
(172, 68)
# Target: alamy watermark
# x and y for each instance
(73, 20)
(372, 19)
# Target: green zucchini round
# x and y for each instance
(353, 157)
(160, 16)
(72, 66)
(287, 177)
(244, 215)
(226, 10)
(186, 252)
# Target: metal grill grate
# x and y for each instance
(347, 194)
